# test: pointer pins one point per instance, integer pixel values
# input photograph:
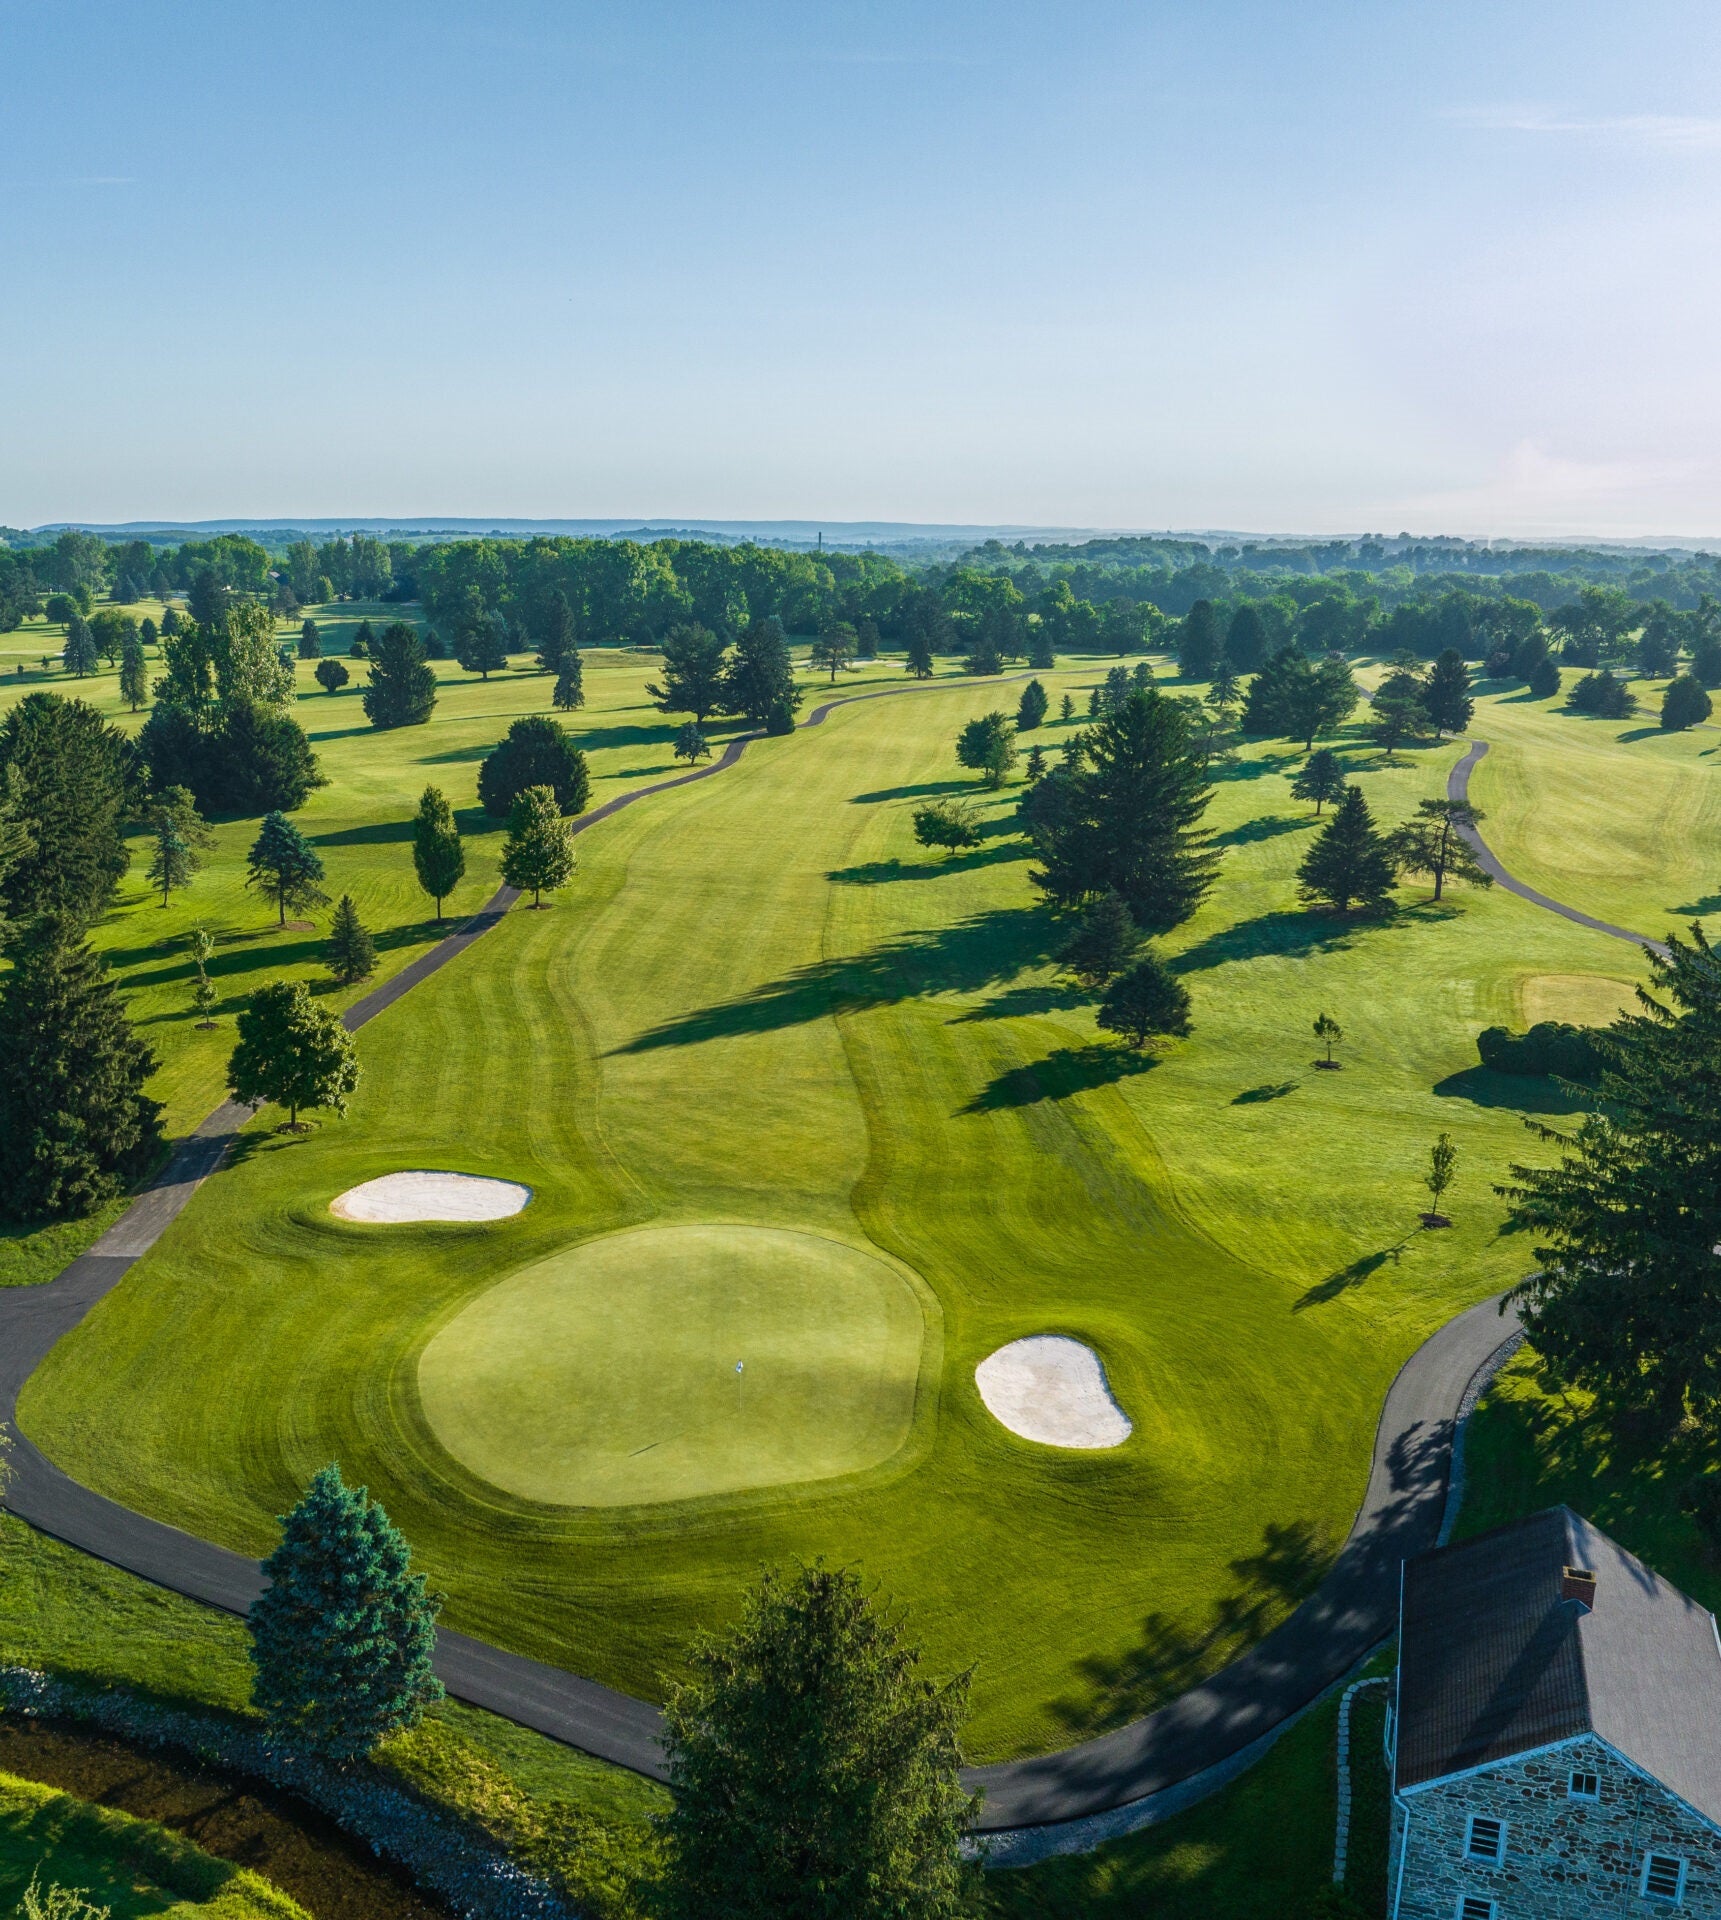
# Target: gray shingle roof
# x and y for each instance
(1492, 1662)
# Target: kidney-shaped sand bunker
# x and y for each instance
(675, 1362)
(396, 1199)
(1052, 1389)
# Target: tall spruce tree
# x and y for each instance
(178, 840)
(75, 1123)
(437, 855)
(81, 654)
(1446, 693)
(1623, 1301)
(759, 683)
(917, 658)
(1145, 1001)
(1031, 708)
(537, 853)
(349, 952)
(558, 635)
(694, 662)
(343, 1636)
(402, 690)
(480, 643)
(1124, 815)
(1103, 944)
(134, 685)
(816, 1771)
(284, 867)
(569, 692)
(73, 779)
(292, 1052)
(1200, 640)
(310, 640)
(1320, 778)
(1246, 640)
(1351, 864)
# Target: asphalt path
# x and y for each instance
(1458, 788)
(1351, 1611)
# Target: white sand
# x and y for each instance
(1052, 1389)
(398, 1198)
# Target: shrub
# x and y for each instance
(1684, 704)
(1551, 1047)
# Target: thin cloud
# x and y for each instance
(1688, 133)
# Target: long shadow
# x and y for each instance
(1281, 932)
(1518, 1092)
(1169, 1658)
(1256, 769)
(382, 833)
(978, 952)
(1268, 827)
(662, 735)
(910, 793)
(1066, 1071)
(1710, 903)
(1018, 1002)
(339, 733)
(1273, 1090)
(451, 756)
(1347, 1277)
(877, 873)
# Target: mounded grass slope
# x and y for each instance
(761, 1005)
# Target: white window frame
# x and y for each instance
(1591, 1792)
(1498, 1856)
(1677, 1897)
(1468, 1901)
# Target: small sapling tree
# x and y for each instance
(350, 953)
(988, 746)
(1329, 1033)
(1145, 1002)
(1103, 944)
(437, 855)
(292, 1052)
(343, 1636)
(947, 824)
(537, 853)
(284, 867)
(690, 743)
(1442, 1165)
(1320, 778)
(203, 993)
(1066, 708)
(330, 675)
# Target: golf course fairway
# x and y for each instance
(677, 1362)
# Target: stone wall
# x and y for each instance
(1565, 1859)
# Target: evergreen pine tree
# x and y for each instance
(133, 678)
(537, 853)
(1544, 678)
(1199, 642)
(437, 855)
(310, 640)
(866, 639)
(1684, 704)
(1144, 1002)
(70, 776)
(1103, 944)
(285, 867)
(694, 663)
(1066, 708)
(690, 744)
(570, 691)
(1042, 654)
(1127, 818)
(1246, 640)
(402, 690)
(1036, 767)
(1706, 661)
(1320, 778)
(816, 1771)
(558, 634)
(81, 655)
(293, 1052)
(350, 953)
(760, 682)
(536, 752)
(918, 656)
(1433, 841)
(75, 1123)
(148, 632)
(343, 1636)
(361, 641)
(179, 838)
(1031, 710)
(1446, 694)
(1351, 863)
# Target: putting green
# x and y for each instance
(606, 1375)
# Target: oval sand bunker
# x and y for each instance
(399, 1198)
(1052, 1389)
(606, 1375)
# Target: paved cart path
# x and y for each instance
(1216, 1722)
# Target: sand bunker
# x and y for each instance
(1052, 1389)
(398, 1198)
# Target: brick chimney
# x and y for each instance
(1579, 1584)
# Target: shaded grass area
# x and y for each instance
(1260, 1849)
(133, 1867)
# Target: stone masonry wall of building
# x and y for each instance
(1566, 1859)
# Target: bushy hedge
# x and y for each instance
(1551, 1047)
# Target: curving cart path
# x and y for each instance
(1458, 788)
(1049, 1803)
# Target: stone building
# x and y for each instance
(1555, 1735)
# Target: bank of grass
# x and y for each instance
(761, 1003)
(132, 1868)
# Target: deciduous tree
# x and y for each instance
(834, 648)
(438, 858)
(1684, 704)
(331, 675)
(343, 1636)
(947, 824)
(178, 839)
(536, 752)
(537, 853)
(292, 1052)
(987, 745)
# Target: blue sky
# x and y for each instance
(1303, 268)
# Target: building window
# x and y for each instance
(1584, 1786)
(1485, 1840)
(1472, 1906)
(1664, 1877)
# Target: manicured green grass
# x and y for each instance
(675, 1362)
(761, 1004)
(132, 1867)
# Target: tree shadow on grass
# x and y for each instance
(1709, 903)
(1273, 1090)
(875, 873)
(454, 756)
(1168, 1658)
(1519, 1092)
(1020, 1002)
(381, 833)
(1283, 932)
(662, 735)
(982, 951)
(926, 787)
(1268, 827)
(1066, 1071)
(349, 733)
